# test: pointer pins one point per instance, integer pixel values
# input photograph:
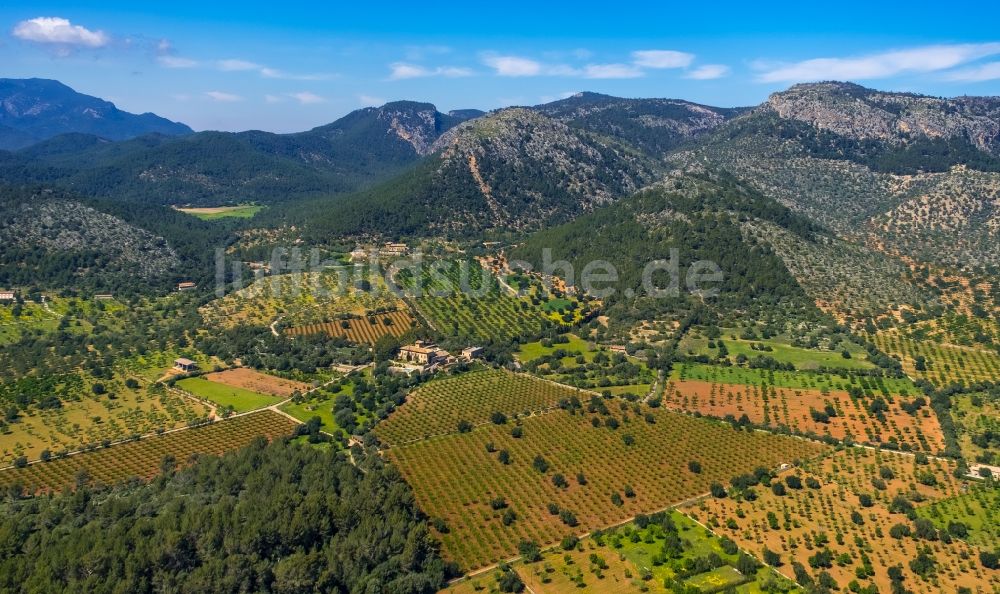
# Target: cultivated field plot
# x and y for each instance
(240, 399)
(843, 380)
(81, 315)
(83, 418)
(143, 458)
(211, 213)
(779, 350)
(437, 407)
(577, 571)
(641, 466)
(255, 381)
(826, 527)
(365, 329)
(302, 298)
(475, 309)
(807, 411)
(977, 419)
(940, 364)
(978, 511)
(630, 559)
(577, 362)
(865, 470)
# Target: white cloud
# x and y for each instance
(234, 65)
(929, 58)
(708, 72)
(223, 97)
(59, 31)
(662, 59)
(370, 101)
(272, 99)
(513, 65)
(403, 70)
(307, 98)
(990, 71)
(612, 71)
(168, 61)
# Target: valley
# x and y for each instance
(388, 331)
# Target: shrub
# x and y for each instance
(529, 551)
(771, 558)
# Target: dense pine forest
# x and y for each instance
(279, 518)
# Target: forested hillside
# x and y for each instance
(57, 239)
(512, 170)
(277, 518)
(213, 168)
(699, 214)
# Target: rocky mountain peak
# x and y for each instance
(857, 112)
(416, 123)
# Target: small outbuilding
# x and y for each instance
(185, 365)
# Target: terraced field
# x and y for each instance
(144, 458)
(943, 364)
(437, 407)
(593, 476)
(366, 329)
(462, 299)
(302, 298)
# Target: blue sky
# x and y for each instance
(286, 66)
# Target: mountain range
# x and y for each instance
(829, 178)
(36, 109)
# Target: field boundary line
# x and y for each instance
(143, 437)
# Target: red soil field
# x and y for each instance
(255, 381)
(792, 408)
